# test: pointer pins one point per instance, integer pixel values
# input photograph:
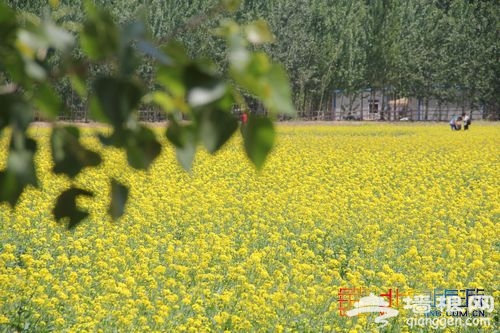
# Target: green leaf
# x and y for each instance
(34, 70)
(42, 36)
(177, 52)
(251, 74)
(14, 111)
(258, 32)
(239, 56)
(69, 156)
(142, 148)
(119, 196)
(185, 140)
(231, 5)
(203, 95)
(129, 61)
(13, 64)
(5, 110)
(32, 41)
(47, 100)
(78, 84)
(109, 140)
(96, 110)
(12, 187)
(203, 87)
(176, 132)
(216, 127)
(164, 100)
(8, 24)
(185, 154)
(100, 36)
(117, 99)
(57, 37)
(171, 77)
(196, 82)
(66, 207)
(258, 135)
(149, 49)
(20, 171)
(280, 96)
(267, 81)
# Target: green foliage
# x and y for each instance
(418, 48)
(119, 195)
(253, 70)
(100, 36)
(22, 314)
(68, 154)
(47, 100)
(142, 147)
(116, 100)
(184, 138)
(20, 171)
(66, 208)
(217, 126)
(258, 135)
(38, 58)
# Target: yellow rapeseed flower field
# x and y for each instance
(376, 207)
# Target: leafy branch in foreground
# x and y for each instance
(192, 88)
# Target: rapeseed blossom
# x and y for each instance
(226, 248)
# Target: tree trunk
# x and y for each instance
(417, 118)
(426, 113)
(341, 116)
(334, 104)
(361, 113)
(394, 110)
(382, 108)
(439, 110)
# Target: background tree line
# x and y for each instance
(445, 50)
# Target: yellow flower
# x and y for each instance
(224, 248)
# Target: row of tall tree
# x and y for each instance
(447, 50)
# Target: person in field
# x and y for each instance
(458, 123)
(467, 121)
(244, 118)
(452, 122)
